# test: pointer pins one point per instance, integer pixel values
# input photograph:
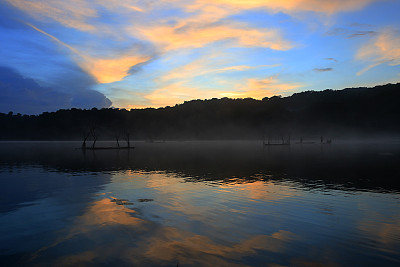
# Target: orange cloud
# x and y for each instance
(103, 70)
(78, 13)
(383, 49)
(113, 69)
(245, 67)
(195, 36)
(288, 6)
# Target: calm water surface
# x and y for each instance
(199, 204)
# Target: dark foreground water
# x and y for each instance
(200, 204)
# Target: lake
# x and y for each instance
(200, 204)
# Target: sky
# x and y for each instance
(57, 54)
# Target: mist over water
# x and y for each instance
(200, 204)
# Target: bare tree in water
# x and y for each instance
(87, 134)
(85, 137)
(127, 138)
(117, 138)
(94, 135)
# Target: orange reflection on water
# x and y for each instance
(385, 234)
(198, 250)
(107, 231)
(105, 212)
(261, 190)
(100, 215)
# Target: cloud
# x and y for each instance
(383, 49)
(24, 95)
(323, 69)
(331, 58)
(337, 31)
(245, 67)
(201, 23)
(104, 70)
(356, 24)
(82, 14)
(290, 6)
(195, 30)
(112, 69)
(74, 14)
(349, 33)
(56, 40)
(196, 36)
(361, 33)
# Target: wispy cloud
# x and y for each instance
(361, 33)
(383, 49)
(58, 41)
(331, 59)
(194, 36)
(74, 14)
(245, 67)
(104, 70)
(323, 69)
(356, 24)
(337, 31)
(349, 33)
(290, 6)
(79, 14)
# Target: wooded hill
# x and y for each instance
(352, 112)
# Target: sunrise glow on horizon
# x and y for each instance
(135, 54)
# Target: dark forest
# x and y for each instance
(353, 112)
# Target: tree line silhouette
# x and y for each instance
(337, 113)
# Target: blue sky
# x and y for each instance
(136, 54)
